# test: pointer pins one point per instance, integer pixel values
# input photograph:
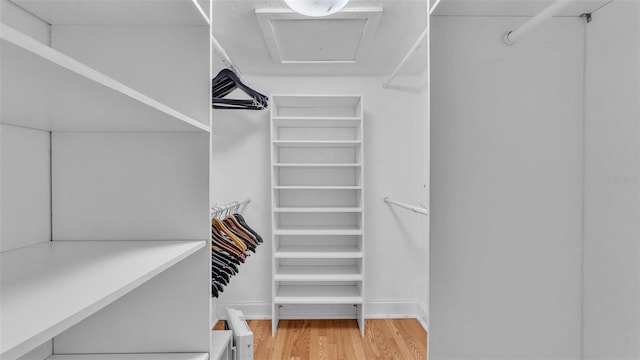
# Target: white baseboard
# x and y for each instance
(423, 315)
(251, 310)
(383, 309)
(390, 309)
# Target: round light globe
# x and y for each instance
(316, 8)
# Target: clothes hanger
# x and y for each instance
(220, 226)
(232, 221)
(226, 82)
(224, 242)
(246, 226)
(241, 233)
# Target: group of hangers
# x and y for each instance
(232, 240)
(226, 82)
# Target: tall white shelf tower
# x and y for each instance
(317, 181)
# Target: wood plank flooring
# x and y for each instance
(385, 339)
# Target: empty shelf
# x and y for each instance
(317, 294)
(74, 279)
(53, 92)
(317, 273)
(317, 122)
(318, 252)
(166, 356)
(314, 165)
(316, 143)
(319, 209)
(304, 231)
(317, 187)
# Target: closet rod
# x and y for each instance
(415, 47)
(416, 209)
(225, 57)
(510, 37)
(201, 11)
(219, 209)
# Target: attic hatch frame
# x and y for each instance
(267, 17)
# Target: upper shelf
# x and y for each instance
(129, 12)
(49, 287)
(45, 89)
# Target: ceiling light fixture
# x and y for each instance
(316, 8)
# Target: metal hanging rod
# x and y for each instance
(218, 210)
(415, 47)
(224, 56)
(201, 11)
(510, 37)
(416, 209)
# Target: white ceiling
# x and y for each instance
(235, 25)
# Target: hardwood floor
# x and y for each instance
(401, 339)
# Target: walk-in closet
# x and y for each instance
(319, 179)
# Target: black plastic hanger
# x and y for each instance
(226, 82)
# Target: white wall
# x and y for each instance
(396, 163)
(506, 130)
(25, 188)
(612, 184)
(163, 62)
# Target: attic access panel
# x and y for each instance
(340, 38)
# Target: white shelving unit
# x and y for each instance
(96, 282)
(317, 203)
(89, 100)
(110, 269)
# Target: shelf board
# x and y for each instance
(314, 101)
(130, 12)
(318, 252)
(317, 294)
(155, 356)
(314, 165)
(317, 122)
(75, 279)
(45, 89)
(317, 143)
(317, 273)
(312, 187)
(320, 231)
(317, 209)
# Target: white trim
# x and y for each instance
(251, 310)
(382, 309)
(423, 316)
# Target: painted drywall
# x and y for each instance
(25, 187)
(396, 163)
(165, 63)
(506, 203)
(612, 184)
(162, 177)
